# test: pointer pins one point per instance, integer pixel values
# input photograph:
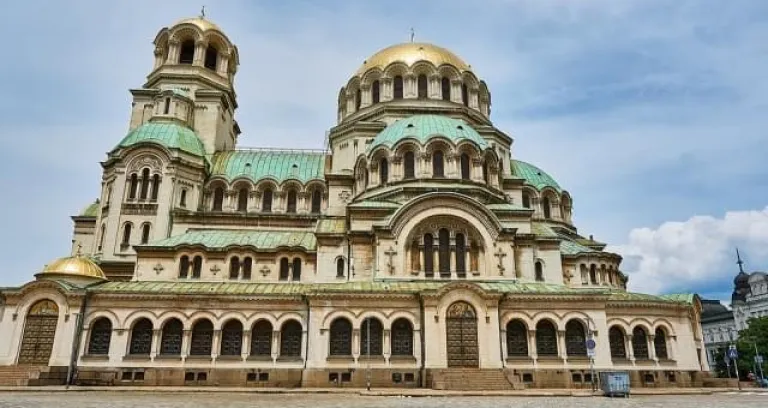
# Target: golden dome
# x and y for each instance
(410, 53)
(200, 22)
(75, 266)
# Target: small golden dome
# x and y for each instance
(410, 53)
(201, 23)
(74, 266)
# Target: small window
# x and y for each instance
(218, 199)
(247, 266)
(184, 267)
(445, 85)
(375, 92)
(234, 267)
(183, 199)
(291, 205)
(539, 272)
(187, 53)
(296, 269)
(134, 184)
(242, 200)
(266, 200)
(546, 208)
(422, 86)
(437, 164)
(383, 171)
(126, 234)
(398, 87)
(340, 268)
(167, 106)
(408, 165)
(284, 269)
(526, 200)
(464, 166)
(155, 187)
(211, 57)
(144, 184)
(358, 99)
(464, 95)
(145, 229)
(317, 200)
(197, 267)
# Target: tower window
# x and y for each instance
(184, 267)
(134, 184)
(437, 164)
(429, 262)
(145, 229)
(375, 92)
(464, 95)
(211, 57)
(546, 208)
(284, 269)
(266, 200)
(340, 268)
(422, 86)
(144, 184)
(234, 267)
(358, 99)
(155, 186)
(398, 87)
(183, 199)
(317, 200)
(539, 270)
(218, 199)
(383, 171)
(526, 200)
(296, 275)
(187, 53)
(167, 107)
(242, 200)
(247, 267)
(197, 267)
(445, 85)
(126, 234)
(444, 253)
(291, 205)
(408, 165)
(464, 166)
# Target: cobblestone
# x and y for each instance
(255, 400)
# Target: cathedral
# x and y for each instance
(414, 250)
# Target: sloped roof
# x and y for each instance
(424, 127)
(534, 176)
(279, 165)
(222, 239)
(92, 210)
(167, 134)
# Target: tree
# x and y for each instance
(755, 335)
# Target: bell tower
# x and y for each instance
(192, 80)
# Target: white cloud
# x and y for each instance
(695, 253)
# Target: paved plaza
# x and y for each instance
(255, 400)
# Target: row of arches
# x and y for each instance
(143, 186)
(126, 240)
(241, 268)
(266, 198)
(602, 275)
(371, 338)
(549, 204)
(188, 44)
(641, 343)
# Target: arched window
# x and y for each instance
(141, 337)
(437, 164)
(232, 338)
(539, 270)
(366, 178)
(290, 339)
(575, 339)
(461, 256)
(183, 199)
(197, 267)
(445, 86)
(546, 208)
(247, 267)
(340, 267)
(402, 338)
(261, 338)
(593, 273)
(383, 171)
(167, 106)
(464, 158)
(284, 269)
(134, 184)
(660, 344)
(242, 200)
(371, 337)
(409, 165)
(291, 202)
(317, 201)
(126, 234)
(546, 339)
(616, 342)
(101, 335)
(375, 92)
(486, 179)
(429, 264)
(155, 186)
(640, 343)
(184, 267)
(211, 57)
(144, 184)
(296, 269)
(187, 53)
(526, 200)
(444, 252)
(517, 338)
(358, 99)
(171, 338)
(397, 87)
(218, 199)
(266, 200)
(422, 86)
(341, 338)
(234, 267)
(464, 95)
(145, 229)
(202, 338)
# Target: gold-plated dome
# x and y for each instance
(201, 22)
(410, 53)
(75, 266)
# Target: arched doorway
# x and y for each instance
(461, 335)
(39, 333)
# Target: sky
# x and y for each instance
(650, 113)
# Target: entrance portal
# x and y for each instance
(461, 335)
(39, 332)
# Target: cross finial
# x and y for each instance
(739, 261)
(413, 34)
(202, 12)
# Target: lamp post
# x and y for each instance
(591, 351)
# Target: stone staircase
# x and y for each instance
(475, 379)
(23, 375)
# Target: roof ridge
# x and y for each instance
(275, 150)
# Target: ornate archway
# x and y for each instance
(461, 335)
(39, 333)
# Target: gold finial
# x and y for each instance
(202, 12)
(412, 34)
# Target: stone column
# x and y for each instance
(155, 348)
(223, 64)
(532, 344)
(245, 351)
(561, 343)
(199, 52)
(387, 344)
(628, 346)
(186, 341)
(366, 98)
(356, 343)
(173, 52)
(216, 343)
(456, 91)
(275, 344)
(651, 346)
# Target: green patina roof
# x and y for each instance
(374, 204)
(92, 210)
(279, 165)
(259, 239)
(568, 247)
(425, 127)
(680, 297)
(543, 230)
(331, 226)
(534, 176)
(168, 134)
(506, 207)
(401, 287)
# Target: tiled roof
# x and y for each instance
(506, 207)
(423, 127)
(541, 229)
(680, 297)
(92, 210)
(279, 165)
(168, 134)
(331, 226)
(221, 239)
(568, 247)
(374, 204)
(533, 175)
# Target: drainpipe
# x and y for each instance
(423, 344)
(72, 369)
(306, 344)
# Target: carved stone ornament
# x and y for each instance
(344, 196)
(154, 164)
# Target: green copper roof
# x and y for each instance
(680, 297)
(534, 176)
(92, 210)
(168, 134)
(375, 204)
(331, 226)
(279, 165)
(568, 247)
(424, 127)
(259, 239)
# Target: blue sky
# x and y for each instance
(651, 113)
